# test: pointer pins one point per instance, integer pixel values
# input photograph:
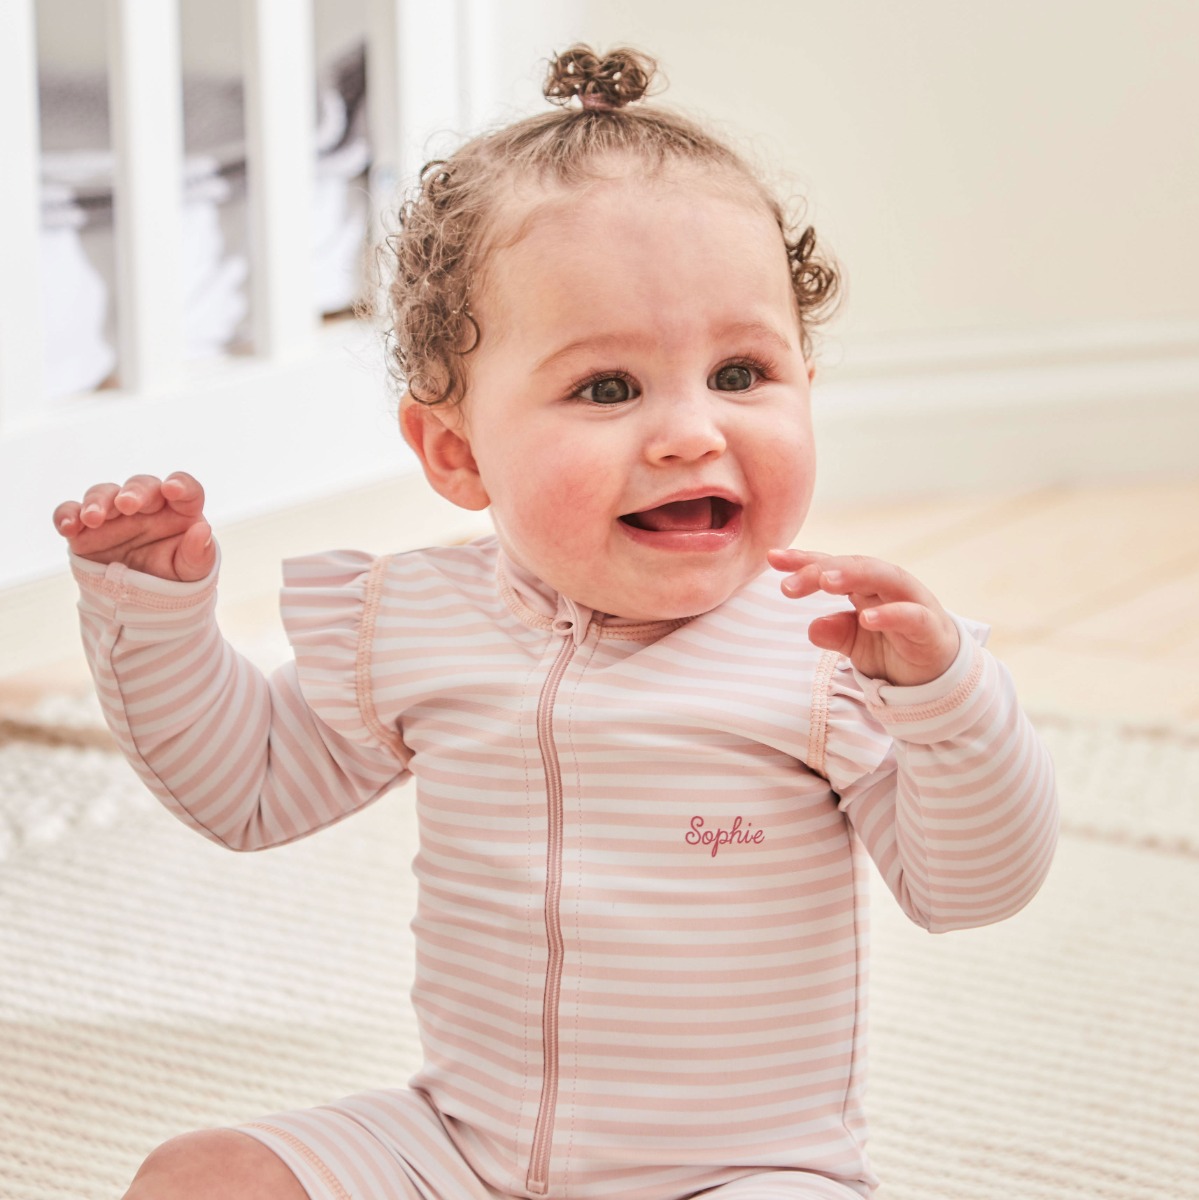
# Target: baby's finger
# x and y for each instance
(97, 506)
(835, 631)
(862, 576)
(195, 553)
(919, 634)
(804, 582)
(140, 494)
(916, 625)
(66, 518)
(806, 575)
(183, 493)
(791, 559)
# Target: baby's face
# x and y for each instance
(638, 406)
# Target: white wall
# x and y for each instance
(976, 166)
(1011, 191)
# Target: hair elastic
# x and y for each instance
(595, 100)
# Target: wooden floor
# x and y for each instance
(1092, 594)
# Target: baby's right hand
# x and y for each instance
(151, 525)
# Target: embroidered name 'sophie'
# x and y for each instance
(735, 834)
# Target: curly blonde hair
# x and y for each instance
(447, 225)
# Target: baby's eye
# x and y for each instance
(609, 389)
(736, 377)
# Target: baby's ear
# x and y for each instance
(438, 437)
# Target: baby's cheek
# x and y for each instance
(560, 497)
(570, 466)
(789, 479)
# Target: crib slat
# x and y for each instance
(414, 88)
(21, 374)
(281, 148)
(482, 27)
(146, 110)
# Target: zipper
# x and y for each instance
(543, 1132)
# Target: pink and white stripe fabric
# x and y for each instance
(641, 932)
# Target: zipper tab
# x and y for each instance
(572, 620)
(543, 1132)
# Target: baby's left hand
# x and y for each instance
(898, 630)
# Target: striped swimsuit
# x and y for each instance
(641, 930)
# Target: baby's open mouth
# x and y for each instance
(704, 512)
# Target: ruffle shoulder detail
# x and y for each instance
(329, 602)
(846, 742)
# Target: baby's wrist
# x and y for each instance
(882, 695)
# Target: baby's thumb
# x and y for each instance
(195, 553)
(836, 631)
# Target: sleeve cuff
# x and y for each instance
(123, 586)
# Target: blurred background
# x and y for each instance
(1006, 402)
(990, 176)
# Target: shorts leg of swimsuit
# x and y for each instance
(785, 1185)
(391, 1145)
(385, 1145)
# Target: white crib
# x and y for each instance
(305, 412)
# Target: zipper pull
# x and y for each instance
(573, 620)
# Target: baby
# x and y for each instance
(648, 777)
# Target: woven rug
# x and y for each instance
(153, 983)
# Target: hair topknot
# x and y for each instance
(621, 77)
(462, 209)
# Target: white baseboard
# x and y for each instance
(981, 413)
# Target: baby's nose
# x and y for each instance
(687, 430)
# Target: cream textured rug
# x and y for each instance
(152, 983)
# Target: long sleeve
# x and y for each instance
(948, 786)
(249, 762)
